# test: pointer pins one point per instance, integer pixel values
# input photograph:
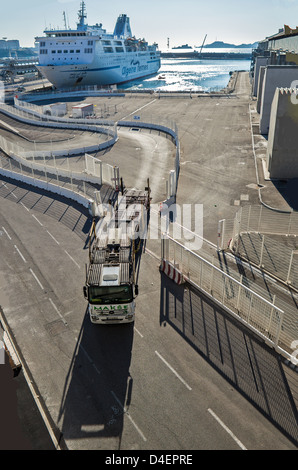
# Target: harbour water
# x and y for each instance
(180, 74)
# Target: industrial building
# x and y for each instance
(282, 150)
(9, 45)
(275, 78)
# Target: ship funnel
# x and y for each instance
(122, 27)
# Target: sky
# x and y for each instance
(182, 21)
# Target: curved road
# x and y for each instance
(185, 377)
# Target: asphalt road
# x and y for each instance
(185, 377)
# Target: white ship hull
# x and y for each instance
(89, 55)
(101, 72)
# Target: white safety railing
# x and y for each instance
(70, 186)
(250, 236)
(276, 325)
(269, 254)
(107, 130)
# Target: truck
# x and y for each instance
(114, 256)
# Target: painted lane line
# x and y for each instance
(36, 278)
(57, 310)
(52, 236)
(37, 220)
(20, 254)
(139, 109)
(140, 334)
(88, 357)
(72, 259)
(6, 233)
(173, 370)
(129, 417)
(227, 429)
(25, 207)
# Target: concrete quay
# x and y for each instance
(77, 366)
(218, 168)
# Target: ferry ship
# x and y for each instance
(89, 55)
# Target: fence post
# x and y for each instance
(239, 292)
(262, 251)
(224, 290)
(250, 307)
(212, 276)
(219, 235)
(290, 267)
(271, 315)
(279, 329)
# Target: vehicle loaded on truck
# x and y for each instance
(114, 256)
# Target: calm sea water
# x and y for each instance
(190, 75)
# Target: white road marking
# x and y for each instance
(56, 241)
(20, 254)
(36, 278)
(173, 370)
(138, 332)
(6, 233)
(227, 429)
(139, 109)
(37, 219)
(72, 259)
(60, 315)
(129, 417)
(25, 207)
(88, 357)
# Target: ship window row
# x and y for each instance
(88, 50)
(59, 35)
(72, 51)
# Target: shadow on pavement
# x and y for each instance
(289, 191)
(98, 385)
(234, 351)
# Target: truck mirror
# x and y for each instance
(136, 290)
(85, 292)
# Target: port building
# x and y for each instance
(275, 78)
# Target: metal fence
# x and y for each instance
(277, 324)
(261, 236)
(48, 178)
(269, 254)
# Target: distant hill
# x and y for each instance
(225, 45)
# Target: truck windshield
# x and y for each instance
(110, 294)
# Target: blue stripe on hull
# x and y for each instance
(92, 70)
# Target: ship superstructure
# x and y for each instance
(89, 55)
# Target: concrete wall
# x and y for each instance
(260, 88)
(275, 76)
(260, 61)
(282, 150)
